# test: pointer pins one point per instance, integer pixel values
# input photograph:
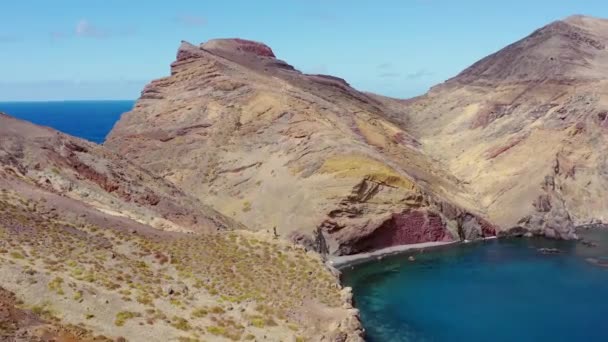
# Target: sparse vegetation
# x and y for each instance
(199, 313)
(181, 323)
(246, 206)
(16, 255)
(43, 310)
(231, 269)
(123, 316)
(55, 285)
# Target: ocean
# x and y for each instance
(500, 290)
(90, 120)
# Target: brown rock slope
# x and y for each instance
(87, 172)
(95, 249)
(272, 147)
(526, 128)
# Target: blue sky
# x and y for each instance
(109, 49)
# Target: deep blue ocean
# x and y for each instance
(501, 290)
(90, 120)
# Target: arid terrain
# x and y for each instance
(525, 128)
(210, 210)
(95, 248)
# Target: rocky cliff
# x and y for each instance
(307, 155)
(525, 128)
(94, 248)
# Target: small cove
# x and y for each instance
(498, 290)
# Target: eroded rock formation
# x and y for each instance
(272, 147)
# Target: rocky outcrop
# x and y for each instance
(236, 45)
(307, 155)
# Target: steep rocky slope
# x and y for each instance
(525, 129)
(92, 248)
(306, 155)
(89, 173)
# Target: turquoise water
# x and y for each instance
(91, 120)
(492, 291)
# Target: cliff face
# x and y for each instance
(94, 248)
(526, 129)
(271, 147)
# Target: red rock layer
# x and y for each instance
(408, 227)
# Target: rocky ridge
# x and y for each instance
(306, 155)
(86, 172)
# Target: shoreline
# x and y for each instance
(342, 262)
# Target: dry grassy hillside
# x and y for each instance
(80, 270)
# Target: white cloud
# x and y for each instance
(85, 29)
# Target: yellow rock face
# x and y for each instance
(361, 167)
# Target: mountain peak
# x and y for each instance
(584, 20)
(240, 46)
(565, 50)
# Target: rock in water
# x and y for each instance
(549, 250)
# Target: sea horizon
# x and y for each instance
(87, 119)
(67, 100)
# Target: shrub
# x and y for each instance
(246, 206)
(201, 312)
(217, 310)
(215, 330)
(181, 324)
(17, 255)
(123, 316)
(55, 285)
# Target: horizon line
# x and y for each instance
(67, 100)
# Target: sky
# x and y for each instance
(109, 49)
